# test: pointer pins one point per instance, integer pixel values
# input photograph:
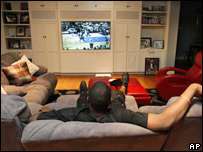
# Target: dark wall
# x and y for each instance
(187, 26)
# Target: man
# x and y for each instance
(99, 108)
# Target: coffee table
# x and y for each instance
(135, 89)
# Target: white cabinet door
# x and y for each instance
(46, 45)
(51, 33)
(133, 36)
(35, 4)
(128, 5)
(120, 61)
(49, 4)
(120, 46)
(121, 5)
(38, 35)
(135, 5)
(133, 62)
(53, 62)
(120, 36)
(103, 4)
(42, 4)
(40, 58)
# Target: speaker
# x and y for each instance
(130, 15)
(70, 14)
(48, 14)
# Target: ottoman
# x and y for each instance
(135, 89)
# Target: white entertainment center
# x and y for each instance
(130, 21)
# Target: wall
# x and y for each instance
(173, 32)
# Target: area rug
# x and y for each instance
(155, 98)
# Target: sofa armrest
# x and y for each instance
(42, 70)
(184, 133)
(10, 138)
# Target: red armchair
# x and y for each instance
(169, 85)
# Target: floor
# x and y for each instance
(73, 82)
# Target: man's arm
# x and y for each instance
(173, 113)
(66, 114)
(43, 109)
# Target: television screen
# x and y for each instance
(86, 35)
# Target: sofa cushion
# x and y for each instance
(14, 90)
(42, 70)
(32, 67)
(36, 93)
(4, 80)
(18, 74)
(8, 58)
(48, 80)
(48, 130)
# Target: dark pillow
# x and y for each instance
(18, 74)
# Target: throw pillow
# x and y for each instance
(14, 90)
(18, 74)
(32, 67)
(3, 91)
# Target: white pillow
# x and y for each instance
(32, 67)
(3, 91)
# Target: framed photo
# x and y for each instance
(158, 44)
(14, 44)
(162, 20)
(24, 19)
(22, 45)
(11, 18)
(20, 30)
(146, 42)
(151, 66)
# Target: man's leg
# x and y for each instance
(82, 100)
(118, 96)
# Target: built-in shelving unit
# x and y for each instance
(16, 27)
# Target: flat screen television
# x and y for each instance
(86, 35)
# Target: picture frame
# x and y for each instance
(11, 18)
(14, 44)
(158, 44)
(146, 42)
(151, 66)
(20, 31)
(22, 45)
(24, 19)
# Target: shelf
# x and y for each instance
(16, 24)
(154, 12)
(15, 11)
(153, 25)
(21, 50)
(18, 37)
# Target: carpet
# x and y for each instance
(155, 98)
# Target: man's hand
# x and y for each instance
(45, 109)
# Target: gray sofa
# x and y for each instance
(35, 93)
(56, 135)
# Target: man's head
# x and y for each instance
(100, 96)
